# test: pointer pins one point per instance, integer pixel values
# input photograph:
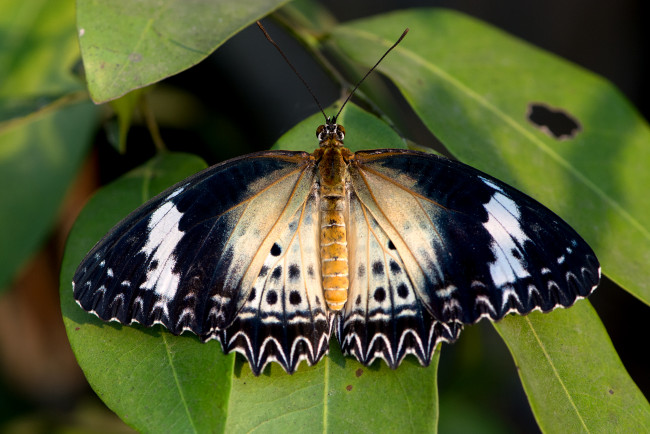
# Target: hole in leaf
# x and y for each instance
(557, 123)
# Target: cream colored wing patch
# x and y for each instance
(384, 317)
(285, 318)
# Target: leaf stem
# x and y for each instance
(152, 125)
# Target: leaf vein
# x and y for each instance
(556, 373)
(177, 381)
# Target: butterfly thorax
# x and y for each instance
(333, 160)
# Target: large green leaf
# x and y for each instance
(471, 84)
(159, 382)
(126, 45)
(582, 388)
(45, 126)
(337, 395)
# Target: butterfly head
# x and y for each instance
(331, 134)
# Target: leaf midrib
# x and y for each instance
(326, 386)
(178, 384)
(556, 374)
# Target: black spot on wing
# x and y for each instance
(295, 298)
(272, 297)
(402, 290)
(378, 268)
(294, 271)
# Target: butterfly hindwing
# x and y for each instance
(188, 258)
(285, 317)
(472, 245)
(384, 317)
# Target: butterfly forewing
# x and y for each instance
(188, 257)
(472, 245)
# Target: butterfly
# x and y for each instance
(391, 251)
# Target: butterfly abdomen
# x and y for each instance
(333, 236)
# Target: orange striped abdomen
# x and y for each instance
(334, 246)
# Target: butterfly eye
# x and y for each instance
(341, 132)
(319, 131)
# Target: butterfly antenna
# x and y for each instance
(368, 73)
(286, 59)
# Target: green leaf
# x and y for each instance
(472, 84)
(45, 127)
(571, 369)
(127, 45)
(336, 395)
(154, 381)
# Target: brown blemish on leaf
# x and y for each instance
(358, 372)
(348, 387)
